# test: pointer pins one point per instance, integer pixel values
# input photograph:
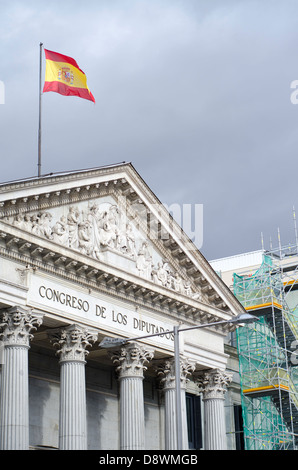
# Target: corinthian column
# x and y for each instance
(166, 373)
(71, 343)
(16, 325)
(130, 361)
(213, 385)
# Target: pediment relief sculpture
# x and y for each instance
(100, 230)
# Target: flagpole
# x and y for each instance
(39, 124)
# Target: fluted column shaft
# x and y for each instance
(166, 372)
(71, 343)
(130, 362)
(215, 430)
(16, 325)
(72, 422)
(132, 420)
(213, 385)
(14, 400)
(171, 420)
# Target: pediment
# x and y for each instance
(102, 229)
(109, 215)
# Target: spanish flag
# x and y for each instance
(64, 76)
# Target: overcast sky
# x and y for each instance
(195, 93)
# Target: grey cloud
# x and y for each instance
(195, 94)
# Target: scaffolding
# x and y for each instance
(268, 352)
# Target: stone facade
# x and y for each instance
(89, 255)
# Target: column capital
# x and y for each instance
(16, 325)
(212, 383)
(130, 359)
(166, 372)
(71, 342)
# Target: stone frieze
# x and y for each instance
(100, 230)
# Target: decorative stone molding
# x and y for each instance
(101, 230)
(16, 325)
(213, 383)
(71, 342)
(166, 372)
(23, 272)
(130, 360)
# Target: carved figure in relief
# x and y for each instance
(160, 275)
(41, 225)
(60, 231)
(27, 224)
(114, 218)
(35, 225)
(18, 221)
(93, 218)
(107, 231)
(144, 261)
(131, 241)
(45, 229)
(125, 241)
(84, 242)
(98, 226)
(121, 241)
(72, 222)
(187, 288)
(178, 283)
(23, 222)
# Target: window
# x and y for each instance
(239, 436)
(193, 410)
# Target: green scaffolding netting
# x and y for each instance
(268, 380)
(261, 287)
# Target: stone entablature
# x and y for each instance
(40, 255)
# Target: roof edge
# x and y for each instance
(44, 177)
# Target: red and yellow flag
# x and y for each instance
(64, 76)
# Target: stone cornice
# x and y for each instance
(31, 185)
(49, 197)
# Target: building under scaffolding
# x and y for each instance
(268, 350)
